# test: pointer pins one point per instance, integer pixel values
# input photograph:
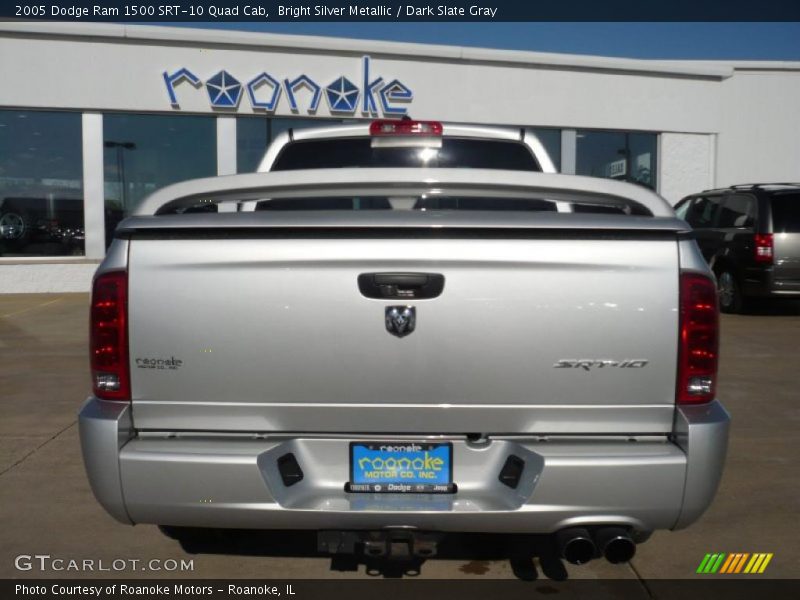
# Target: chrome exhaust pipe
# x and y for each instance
(575, 545)
(615, 544)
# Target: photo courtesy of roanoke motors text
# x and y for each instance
(452, 301)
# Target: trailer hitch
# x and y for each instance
(395, 544)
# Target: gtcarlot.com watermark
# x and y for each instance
(48, 563)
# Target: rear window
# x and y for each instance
(443, 202)
(703, 210)
(358, 152)
(409, 202)
(786, 213)
(608, 210)
(738, 211)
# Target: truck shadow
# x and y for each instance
(475, 550)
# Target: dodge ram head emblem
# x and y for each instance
(401, 320)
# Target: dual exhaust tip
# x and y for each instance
(577, 546)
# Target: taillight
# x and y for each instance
(699, 339)
(108, 339)
(405, 127)
(764, 248)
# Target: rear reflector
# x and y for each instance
(109, 336)
(388, 127)
(699, 340)
(764, 248)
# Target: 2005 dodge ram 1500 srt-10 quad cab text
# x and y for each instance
(398, 353)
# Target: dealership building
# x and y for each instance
(94, 117)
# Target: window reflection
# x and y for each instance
(551, 140)
(41, 184)
(618, 155)
(143, 153)
(254, 134)
(252, 137)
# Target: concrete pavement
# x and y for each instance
(46, 506)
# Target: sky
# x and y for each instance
(741, 41)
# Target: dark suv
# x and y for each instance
(750, 236)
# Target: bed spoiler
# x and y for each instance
(399, 182)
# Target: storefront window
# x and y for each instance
(143, 153)
(551, 140)
(41, 184)
(252, 138)
(254, 134)
(618, 155)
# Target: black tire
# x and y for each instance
(15, 227)
(730, 293)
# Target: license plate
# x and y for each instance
(401, 467)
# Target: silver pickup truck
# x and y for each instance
(436, 350)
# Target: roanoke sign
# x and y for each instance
(371, 96)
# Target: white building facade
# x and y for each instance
(94, 117)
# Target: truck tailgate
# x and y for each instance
(533, 334)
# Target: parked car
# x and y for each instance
(48, 226)
(750, 236)
(437, 350)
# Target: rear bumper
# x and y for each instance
(220, 481)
